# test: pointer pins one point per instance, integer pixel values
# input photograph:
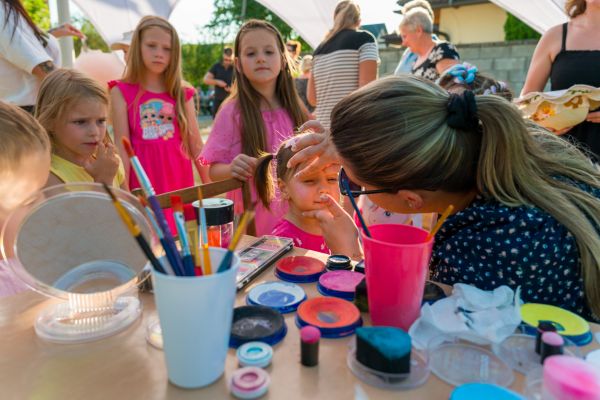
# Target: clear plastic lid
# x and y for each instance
(458, 361)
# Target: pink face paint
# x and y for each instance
(570, 378)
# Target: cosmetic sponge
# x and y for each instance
(384, 349)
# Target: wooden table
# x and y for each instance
(125, 366)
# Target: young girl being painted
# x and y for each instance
(151, 107)
(24, 168)
(302, 195)
(258, 116)
(73, 109)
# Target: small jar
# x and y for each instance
(219, 220)
(337, 262)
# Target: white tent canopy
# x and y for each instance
(310, 18)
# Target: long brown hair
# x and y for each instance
(574, 8)
(263, 178)
(134, 71)
(16, 9)
(60, 90)
(345, 16)
(249, 100)
(509, 161)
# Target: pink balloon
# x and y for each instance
(103, 67)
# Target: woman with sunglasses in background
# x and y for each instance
(527, 204)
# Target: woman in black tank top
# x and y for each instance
(566, 67)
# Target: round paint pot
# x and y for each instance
(299, 269)
(340, 284)
(478, 391)
(334, 317)
(569, 325)
(255, 354)
(256, 323)
(281, 296)
(337, 262)
(249, 383)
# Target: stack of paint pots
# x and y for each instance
(281, 296)
(334, 317)
(299, 269)
(570, 326)
(256, 323)
(340, 284)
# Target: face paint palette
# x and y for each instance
(284, 297)
(299, 269)
(334, 317)
(340, 284)
(256, 323)
(569, 325)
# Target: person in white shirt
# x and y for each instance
(27, 54)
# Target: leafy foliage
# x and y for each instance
(39, 12)
(515, 29)
(93, 38)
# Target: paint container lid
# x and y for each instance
(418, 375)
(566, 377)
(478, 391)
(518, 351)
(256, 323)
(299, 269)
(340, 284)
(334, 317)
(281, 296)
(249, 383)
(457, 362)
(219, 211)
(568, 324)
(255, 354)
(338, 262)
(360, 267)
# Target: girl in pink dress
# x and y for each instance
(302, 194)
(258, 116)
(152, 108)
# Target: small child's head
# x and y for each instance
(461, 77)
(154, 48)
(24, 158)
(73, 109)
(303, 194)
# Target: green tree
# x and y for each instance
(197, 60)
(227, 18)
(39, 12)
(93, 38)
(515, 29)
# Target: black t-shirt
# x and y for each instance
(224, 74)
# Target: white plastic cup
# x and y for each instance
(195, 317)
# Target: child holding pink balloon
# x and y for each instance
(154, 110)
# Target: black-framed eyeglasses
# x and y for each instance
(355, 189)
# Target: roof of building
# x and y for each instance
(377, 30)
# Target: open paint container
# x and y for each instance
(569, 325)
(334, 317)
(284, 297)
(299, 269)
(340, 284)
(256, 323)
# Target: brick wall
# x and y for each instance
(507, 61)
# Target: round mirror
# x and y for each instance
(69, 242)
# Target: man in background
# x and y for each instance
(220, 76)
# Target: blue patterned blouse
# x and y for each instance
(489, 244)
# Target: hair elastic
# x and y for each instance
(462, 111)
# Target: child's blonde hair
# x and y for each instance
(505, 159)
(249, 100)
(263, 179)
(20, 135)
(60, 90)
(134, 71)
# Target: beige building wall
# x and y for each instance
(473, 24)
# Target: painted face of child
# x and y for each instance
(19, 184)
(260, 59)
(83, 127)
(305, 194)
(156, 49)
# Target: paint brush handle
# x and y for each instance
(169, 257)
(148, 253)
(188, 264)
(168, 236)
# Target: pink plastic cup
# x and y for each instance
(396, 263)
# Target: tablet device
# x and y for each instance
(259, 255)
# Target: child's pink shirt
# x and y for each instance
(301, 238)
(225, 143)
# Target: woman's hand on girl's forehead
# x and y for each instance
(315, 151)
